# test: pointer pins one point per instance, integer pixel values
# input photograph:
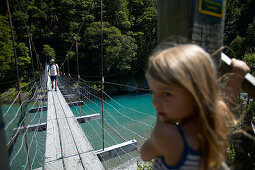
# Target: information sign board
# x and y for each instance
(211, 7)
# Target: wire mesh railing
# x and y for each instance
(23, 147)
(122, 122)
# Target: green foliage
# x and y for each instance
(129, 34)
(12, 93)
(250, 60)
(119, 49)
(118, 9)
(144, 165)
(240, 30)
(23, 55)
(6, 56)
(71, 54)
(239, 14)
(239, 35)
(6, 50)
(237, 46)
(231, 153)
(251, 30)
(48, 52)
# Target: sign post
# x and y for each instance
(199, 21)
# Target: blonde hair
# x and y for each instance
(190, 67)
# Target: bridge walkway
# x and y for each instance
(67, 147)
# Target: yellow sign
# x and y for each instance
(211, 7)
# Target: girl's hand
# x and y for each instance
(239, 67)
(232, 89)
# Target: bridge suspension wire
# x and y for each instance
(106, 124)
(117, 84)
(28, 97)
(22, 144)
(17, 96)
(94, 128)
(113, 131)
(121, 106)
(8, 82)
(101, 138)
(11, 104)
(134, 87)
(17, 110)
(71, 80)
(11, 141)
(154, 117)
(88, 98)
(34, 135)
(101, 128)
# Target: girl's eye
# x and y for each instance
(166, 94)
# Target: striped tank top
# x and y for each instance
(190, 159)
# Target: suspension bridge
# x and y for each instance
(66, 143)
(66, 129)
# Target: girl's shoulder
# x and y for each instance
(171, 142)
(168, 139)
(166, 130)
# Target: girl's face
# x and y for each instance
(172, 104)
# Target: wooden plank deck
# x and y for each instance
(43, 126)
(117, 150)
(67, 147)
(78, 103)
(40, 109)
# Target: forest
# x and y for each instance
(129, 36)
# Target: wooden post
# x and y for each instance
(4, 159)
(102, 66)
(199, 21)
(37, 61)
(30, 53)
(17, 74)
(67, 65)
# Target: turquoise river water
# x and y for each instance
(132, 116)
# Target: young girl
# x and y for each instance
(192, 131)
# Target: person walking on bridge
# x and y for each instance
(53, 71)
